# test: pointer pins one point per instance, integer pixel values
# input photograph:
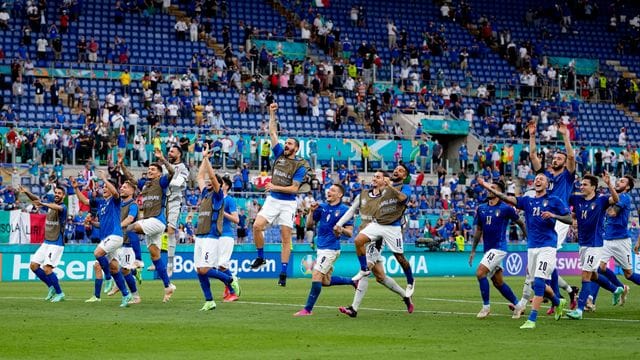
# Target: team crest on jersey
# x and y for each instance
(545, 203)
(497, 213)
(336, 213)
(593, 206)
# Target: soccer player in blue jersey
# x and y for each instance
(110, 235)
(226, 241)
(541, 213)
(280, 206)
(152, 225)
(561, 177)
(589, 211)
(617, 241)
(210, 227)
(491, 221)
(328, 244)
(50, 251)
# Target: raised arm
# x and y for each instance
(112, 189)
(355, 205)
(202, 170)
(533, 154)
(125, 171)
(83, 199)
(273, 126)
(212, 175)
(508, 199)
(615, 197)
(162, 160)
(571, 156)
(28, 193)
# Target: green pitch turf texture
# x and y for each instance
(261, 324)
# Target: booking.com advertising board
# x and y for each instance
(77, 263)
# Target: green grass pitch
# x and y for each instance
(261, 325)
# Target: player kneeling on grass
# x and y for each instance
(326, 216)
(492, 220)
(210, 227)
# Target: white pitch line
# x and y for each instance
(433, 312)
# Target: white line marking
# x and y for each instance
(432, 312)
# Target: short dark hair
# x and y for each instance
(340, 187)
(226, 180)
(406, 169)
(501, 185)
(631, 181)
(157, 166)
(178, 148)
(592, 179)
(295, 141)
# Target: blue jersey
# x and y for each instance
(494, 221)
(326, 216)
(133, 211)
(560, 186)
(109, 216)
(228, 227)
(590, 217)
(278, 150)
(616, 227)
(541, 232)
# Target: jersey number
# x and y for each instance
(536, 211)
(542, 266)
(590, 260)
(488, 221)
(127, 258)
(584, 214)
(490, 256)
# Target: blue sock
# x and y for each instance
(226, 279)
(205, 286)
(595, 289)
(53, 280)
(612, 277)
(165, 257)
(533, 316)
(604, 283)
(283, 268)
(131, 282)
(555, 300)
(408, 274)
(227, 272)
(261, 252)
(554, 283)
(584, 294)
(97, 288)
(635, 278)
(484, 290)
(316, 287)
(508, 294)
(104, 264)
(161, 270)
(135, 245)
(362, 259)
(134, 272)
(340, 280)
(119, 280)
(42, 276)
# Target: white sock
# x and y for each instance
(564, 285)
(393, 286)
(527, 292)
(363, 285)
(486, 307)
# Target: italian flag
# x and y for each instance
(25, 228)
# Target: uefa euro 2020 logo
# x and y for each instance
(307, 263)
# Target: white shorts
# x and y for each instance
(279, 212)
(153, 229)
(541, 262)
(110, 245)
(391, 235)
(414, 224)
(126, 258)
(204, 252)
(374, 255)
(619, 250)
(325, 260)
(562, 230)
(492, 260)
(173, 213)
(224, 251)
(589, 258)
(48, 254)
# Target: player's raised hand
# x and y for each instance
(206, 153)
(273, 107)
(606, 177)
(562, 129)
(74, 182)
(159, 155)
(120, 157)
(532, 125)
(102, 175)
(337, 230)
